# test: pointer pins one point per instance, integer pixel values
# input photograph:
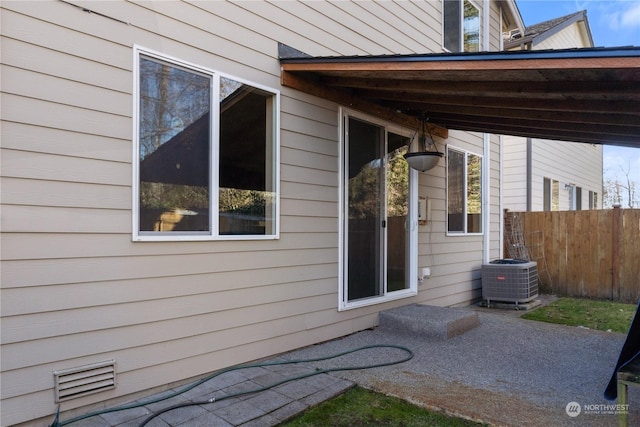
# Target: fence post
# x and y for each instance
(615, 253)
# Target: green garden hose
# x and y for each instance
(408, 356)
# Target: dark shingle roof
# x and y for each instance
(542, 27)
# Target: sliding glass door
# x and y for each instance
(377, 234)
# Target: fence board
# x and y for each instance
(629, 259)
(605, 245)
(579, 250)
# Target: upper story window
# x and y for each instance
(464, 192)
(461, 26)
(206, 161)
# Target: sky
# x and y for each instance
(613, 23)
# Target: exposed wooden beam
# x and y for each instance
(569, 136)
(590, 95)
(456, 120)
(499, 113)
(521, 87)
(522, 103)
(344, 97)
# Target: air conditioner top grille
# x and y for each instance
(81, 381)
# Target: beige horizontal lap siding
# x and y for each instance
(567, 163)
(42, 140)
(566, 38)
(168, 359)
(515, 173)
(75, 288)
(495, 30)
(455, 260)
(495, 250)
(570, 162)
(69, 296)
(21, 245)
(150, 322)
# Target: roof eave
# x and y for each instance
(581, 95)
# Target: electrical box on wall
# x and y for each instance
(424, 210)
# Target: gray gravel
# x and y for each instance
(508, 371)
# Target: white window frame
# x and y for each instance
(213, 233)
(482, 189)
(343, 303)
(593, 199)
(461, 25)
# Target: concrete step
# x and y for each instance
(428, 321)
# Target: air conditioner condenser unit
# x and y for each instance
(510, 280)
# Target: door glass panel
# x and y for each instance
(364, 211)
(397, 212)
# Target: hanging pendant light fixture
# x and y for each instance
(425, 159)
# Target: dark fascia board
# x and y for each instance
(602, 52)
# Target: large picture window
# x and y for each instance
(464, 192)
(461, 26)
(206, 157)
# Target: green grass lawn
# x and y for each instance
(592, 314)
(360, 407)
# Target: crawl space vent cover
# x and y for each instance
(81, 381)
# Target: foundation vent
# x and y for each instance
(81, 381)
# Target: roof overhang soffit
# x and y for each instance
(313, 85)
(588, 96)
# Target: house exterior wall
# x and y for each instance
(515, 173)
(570, 164)
(566, 38)
(77, 290)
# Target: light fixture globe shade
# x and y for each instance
(424, 160)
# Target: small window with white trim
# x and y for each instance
(206, 159)
(464, 192)
(461, 26)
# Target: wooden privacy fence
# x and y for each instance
(594, 253)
